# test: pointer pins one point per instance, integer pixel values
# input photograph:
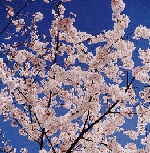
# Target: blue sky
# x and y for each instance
(93, 16)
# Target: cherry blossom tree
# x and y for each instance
(36, 75)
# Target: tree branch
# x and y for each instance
(90, 126)
(14, 17)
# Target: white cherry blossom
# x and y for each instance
(94, 100)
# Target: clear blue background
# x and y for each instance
(93, 16)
